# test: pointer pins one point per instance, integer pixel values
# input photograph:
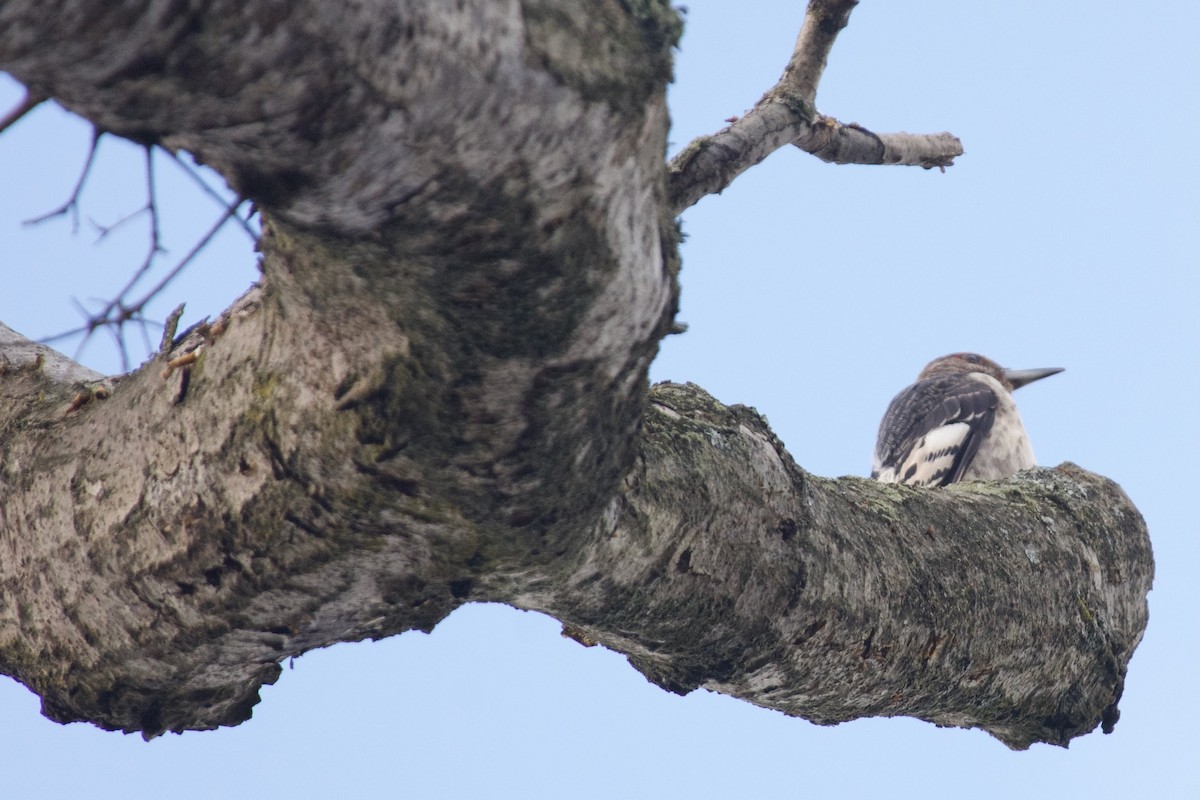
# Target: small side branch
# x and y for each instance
(841, 143)
(125, 308)
(121, 310)
(29, 102)
(194, 174)
(229, 213)
(711, 163)
(150, 208)
(823, 21)
(72, 204)
(787, 115)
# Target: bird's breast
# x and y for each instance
(1005, 450)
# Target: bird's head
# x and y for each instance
(960, 363)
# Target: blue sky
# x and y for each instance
(1066, 236)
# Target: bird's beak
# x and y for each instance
(1021, 377)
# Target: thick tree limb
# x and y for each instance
(438, 395)
(19, 353)
(838, 599)
(787, 115)
(718, 564)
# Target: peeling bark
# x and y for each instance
(438, 395)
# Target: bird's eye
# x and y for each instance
(970, 357)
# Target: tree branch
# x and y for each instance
(839, 599)
(787, 115)
(72, 204)
(17, 352)
(438, 395)
(719, 564)
(823, 21)
(29, 102)
(115, 313)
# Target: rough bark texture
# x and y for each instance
(1010, 606)
(438, 394)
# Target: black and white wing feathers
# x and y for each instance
(933, 429)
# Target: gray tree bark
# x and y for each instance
(438, 395)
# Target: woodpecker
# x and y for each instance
(958, 422)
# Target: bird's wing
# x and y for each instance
(932, 430)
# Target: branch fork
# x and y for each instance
(787, 115)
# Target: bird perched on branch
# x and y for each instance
(958, 422)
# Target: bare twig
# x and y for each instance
(230, 213)
(114, 317)
(192, 173)
(787, 115)
(151, 208)
(116, 313)
(72, 204)
(103, 231)
(29, 102)
(119, 310)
